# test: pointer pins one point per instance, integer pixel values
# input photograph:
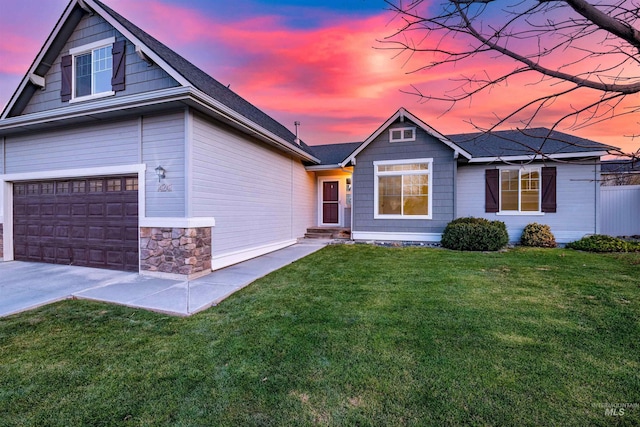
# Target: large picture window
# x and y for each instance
(520, 190)
(402, 189)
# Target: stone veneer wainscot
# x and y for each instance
(175, 251)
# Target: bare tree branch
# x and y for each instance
(586, 55)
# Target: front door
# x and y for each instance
(330, 202)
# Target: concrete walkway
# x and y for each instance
(26, 285)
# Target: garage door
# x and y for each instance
(89, 222)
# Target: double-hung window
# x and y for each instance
(93, 70)
(403, 189)
(520, 190)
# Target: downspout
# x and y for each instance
(596, 183)
(456, 154)
(353, 193)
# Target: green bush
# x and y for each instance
(538, 235)
(475, 234)
(602, 243)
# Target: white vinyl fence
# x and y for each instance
(620, 210)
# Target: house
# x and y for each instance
(118, 153)
(620, 172)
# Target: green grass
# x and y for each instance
(351, 335)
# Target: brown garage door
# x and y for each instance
(89, 222)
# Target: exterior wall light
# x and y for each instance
(161, 173)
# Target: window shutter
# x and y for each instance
(119, 62)
(549, 189)
(67, 75)
(491, 190)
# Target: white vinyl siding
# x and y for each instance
(257, 195)
(578, 192)
(163, 144)
(98, 145)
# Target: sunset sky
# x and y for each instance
(314, 61)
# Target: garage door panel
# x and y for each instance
(79, 210)
(62, 231)
(47, 231)
(115, 210)
(96, 209)
(79, 222)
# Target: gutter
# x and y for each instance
(180, 94)
(538, 157)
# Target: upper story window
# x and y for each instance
(93, 70)
(402, 134)
(402, 189)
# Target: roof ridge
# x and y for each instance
(205, 82)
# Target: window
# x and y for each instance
(520, 190)
(114, 185)
(93, 70)
(402, 134)
(95, 186)
(402, 189)
(131, 184)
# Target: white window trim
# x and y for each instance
(90, 47)
(402, 138)
(377, 174)
(520, 212)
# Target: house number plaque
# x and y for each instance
(165, 188)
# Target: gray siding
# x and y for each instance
(257, 195)
(577, 194)
(163, 144)
(140, 77)
(108, 144)
(425, 146)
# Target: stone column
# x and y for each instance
(175, 252)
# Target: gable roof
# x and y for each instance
(401, 115)
(184, 72)
(480, 147)
(332, 155)
(529, 144)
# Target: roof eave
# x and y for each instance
(183, 94)
(235, 117)
(577, 155)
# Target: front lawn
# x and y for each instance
(351, 335)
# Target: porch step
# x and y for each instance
(328, 233)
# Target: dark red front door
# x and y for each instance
(330, 198)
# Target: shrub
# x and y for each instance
(475, 234)
(538, 235)
(602, 243)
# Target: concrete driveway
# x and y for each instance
(28, 285)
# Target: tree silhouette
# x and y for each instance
(582, 58)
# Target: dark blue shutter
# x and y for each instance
(549, 189)
(119, 62)
(491, 190)
(67, 75)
